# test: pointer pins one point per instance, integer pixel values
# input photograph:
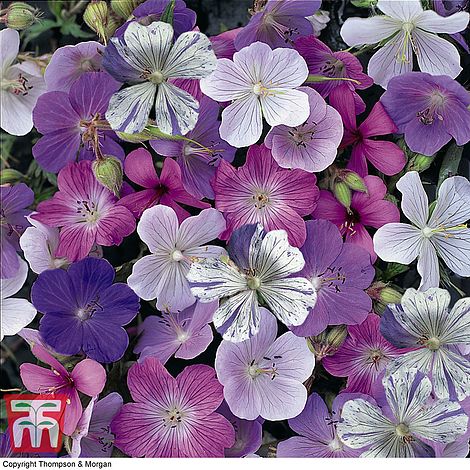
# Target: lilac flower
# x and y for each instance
(442, 234)
(423, 322)
(317, 428)
(173, 247)
(93, 436)
(87, 212)
(14, 201)
(70, 123)
(200, 152)
(313, 145)
(260, 82)
(259, 270)
(146, 57)
(184, 334)
(447, 8)
(15, 313)
(262, 192)
(84, 311)
(339, 273)
(363, 356)
(69, 63)
(172, 417)
(263, 376)
(429, 110)
(278, 23)
(21, 85)
(407, 421)
(406, 28)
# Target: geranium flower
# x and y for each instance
(259, 270)
(173, 247)
(446, 8)
(406, 29)
(172, 417)
(423, 322)
(313, 145)
(406, 421)
(260, 82)
(184, 334)
(166, 189)
(363, 356)
(15, 313)
(339, 273)
(263, 376)
(442, 234)
(367, 209)
(200, 153)
(262, 192)
(86, 211)
(87, 377)
(317, 428)
(428, 110)
(278, 23)
(146, 57)
(21, 85)
(84, 311)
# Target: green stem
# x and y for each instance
(450, 163)
(320, 78)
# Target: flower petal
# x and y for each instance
(430, 21)
(415, 201)
(359, 31)
(428, 265)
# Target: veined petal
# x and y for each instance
(451, 375)
(430, 21)
(284, 106)
(428, 265)
(454, 249)
(12, 285)
(359, 31)
(287, 69)
(158, 229)
(403, 10)
(415, 201)
(456, 329)
(15, 315)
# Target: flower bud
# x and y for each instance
(354, 181)
(419, 162)
(388, 295)
(383, 294)
(96, 17)
(336, 336)
(342, 193)
(10, 176)
(124, 8)
(108, 171)
(327, 342)
(20, 15)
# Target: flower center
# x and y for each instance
(253, 282)
(156, 77)
(375, 357)
(333, 278)
(436, 103)
(254, 369)
(89, 211)
(260, 199)
(85, 313)
(301, 135)
(402, 430)
(316, 282)
(335, 444)
(177, 256)
(172, 418)
(433, 343)
(259, 89)
(18, 86)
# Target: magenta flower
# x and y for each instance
(262, 192)
(87, 377)
(363, 356)
(339, 272)
(172, 417)
(86, 211)
(166, 189)
(367, 209)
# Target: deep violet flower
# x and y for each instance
(363, 357)
(87, 377)
(262, 192)
(172, 417)
(428, 110)
(14, 201)
(311, 146)
(263, 376)
(166, 189)
(70, 123)
(86, 211)
(367, 210)
(84, 311)
(339, 272)
(278, 23)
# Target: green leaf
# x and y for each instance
(55, 6)
(26, 423)
(72, 28)
(393, 270)
(38, 28)
(23, 405)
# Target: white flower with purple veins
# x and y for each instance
(147, 58)
(260, 82)
(405, 28)
(442, 234)
(406, 419)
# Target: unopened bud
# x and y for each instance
(388, 295)
(354, 181)
(342, 193)
(108, 171)
(383, 294)
(20, 15)
(336, 336)
(327, 342)
(10, 176)
(96, 17)
(419, 162)
(124, 8)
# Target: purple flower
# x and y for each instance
(200, 152)
(14, 201)
(313, 145)
(262, 192)
(363, 356)
(448, 8)
(263, 376)
(317, 428)
(86, 211)
(340, 273)
(172, 417)
(71, 123)
(278, 23)
(84, 311)
(429, 110)
(184, 334)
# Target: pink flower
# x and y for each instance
(367, 209)
(86, 211)
(262, 192)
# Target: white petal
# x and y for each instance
(287, 69)
(415, 203)
(12, 285)
(456, 329)
(9, 46)
(15, 315)
(359, 31)
(451, 371)
(400, 9)
(454, 249)
(420, 359)
(428, 266)
(430, 21)
(284, 106)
